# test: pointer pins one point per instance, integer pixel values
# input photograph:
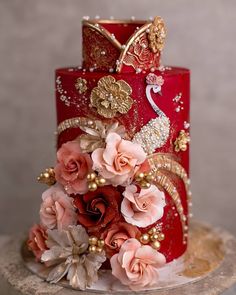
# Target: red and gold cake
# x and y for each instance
(119, 192)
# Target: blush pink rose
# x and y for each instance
(117, 234)
(137, 265)
(153, 79)
(36, 242)
(119, 160)
(72, 168)
(57, 210)
(142, 208)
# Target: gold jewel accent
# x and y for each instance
(95, 181)
(111, 97)
(96, 245)
(157, 35)
(47, 177)
(144, 179)
(81, 85)
(161, 163)
(181, 141)
(153, 237)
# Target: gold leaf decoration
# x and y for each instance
(81, 85)
(111, 97)
(157, 35)
(47, 177)
(181, 141)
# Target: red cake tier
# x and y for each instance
(154, 109)
(122, 46)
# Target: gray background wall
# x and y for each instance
(38, 36)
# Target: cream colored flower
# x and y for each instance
(68, 253)
(96, 136)
(111, 97)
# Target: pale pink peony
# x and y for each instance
(153, 79)
(72, 168)
(142, 208)
(119, 160)
(37, 240)
(57, 209)
(137, 265)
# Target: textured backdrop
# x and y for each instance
(38, 36)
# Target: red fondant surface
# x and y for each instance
(176, 80)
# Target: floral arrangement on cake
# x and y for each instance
(101, 195)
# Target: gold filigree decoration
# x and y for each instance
(111, 97)
(160, 164)
(81, 85)
(181, 141)
(47, 177)
(157, 35)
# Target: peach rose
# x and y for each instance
(119, 160)
(117, 234)
(36, 242)
(72, 168)
(57, 209)
(142, 208)
(153, 79)
(136, 265)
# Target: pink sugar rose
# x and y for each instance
(72, 168)
(57, 209)
(119, 160)
(142, 208)
(153, 79)
(137, 265)
(36, 242)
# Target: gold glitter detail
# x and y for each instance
(157, 35)
(181, 141)
(111, 97)
(76, 122)
(160, 163)
(81, 85)
(47, 177)
(205, 252)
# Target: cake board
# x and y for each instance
(210, 266)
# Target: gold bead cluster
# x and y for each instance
(95, 245)
(181, 141)
(152, 237)
(47, 177)
(144, 179)
(95, 181)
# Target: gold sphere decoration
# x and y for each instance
(161, 236)
(99, 250)
(156, 245)
(93, 240)
(144, 239)
(91, 176)
(154, 237)
(92, 248)
(100, 181)
(152, 231)
(101, 243)
(145, 184)
(92, 186)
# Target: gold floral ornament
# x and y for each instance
(81, 85)
(111, 97)
(152, 237)
(181, 141)
(96, 133)
(157, 35)
(47, 177)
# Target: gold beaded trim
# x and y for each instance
(76, 122)
(160, 163)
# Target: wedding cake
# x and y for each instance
(118, 193)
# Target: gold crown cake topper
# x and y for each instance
(117, 44)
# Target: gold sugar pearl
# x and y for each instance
(161, 237)
(93, 240)
(92, 249)
(99, 250)
(145, 184)
(150, 177)
(91, 176)
(154, 237)
(144, 239)
(100, 181)
(92, 186)
(156, 245)
(101, 243)
(140, 176)
(152, 231)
